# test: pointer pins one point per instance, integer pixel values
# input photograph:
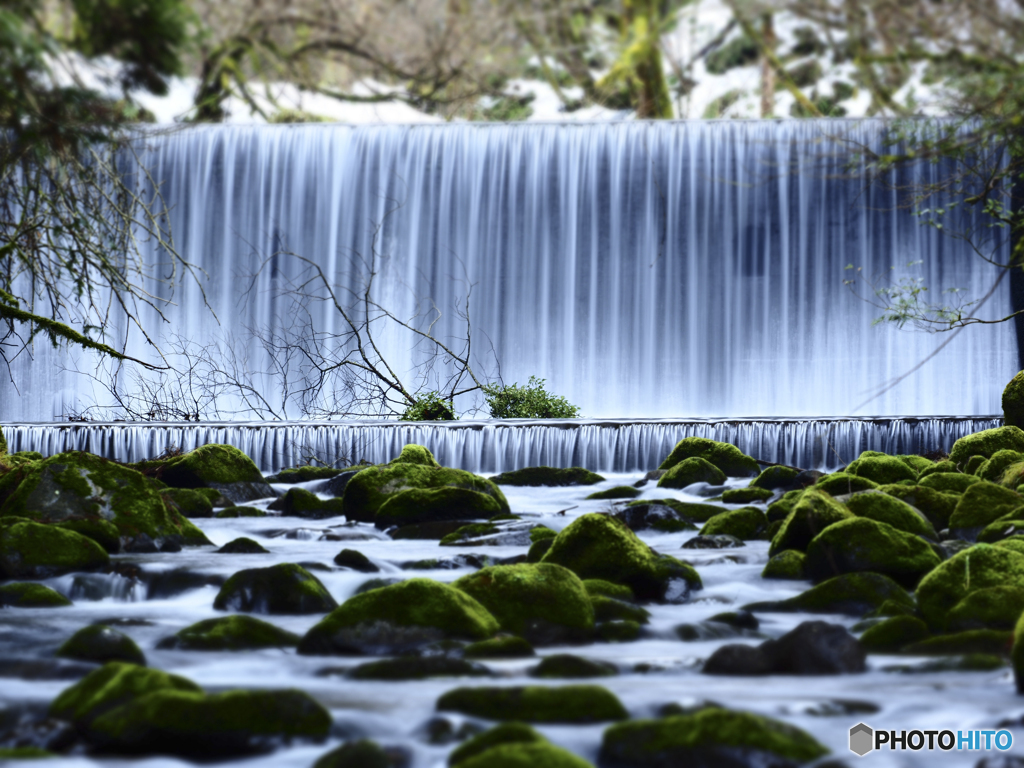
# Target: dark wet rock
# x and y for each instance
(436, 530)
(610, 609)
(624, 631)
(166, 584)
(141, 544)
(337, 484)
(569, 704)
(566, 665)
(415, 506)
(852, 594)
(240, 511)
(304, 474)
(813, 513)
(449, 563)
(711, 630)
(30, 550)
(29, 595)
(35, 737)
(101, 644)
(505, 647)
(223, 468)
(738, 619)
(243, 546)
(168, 545)
(188, 501)
(719, 541)
(748, 495)
(44, 669)
(656, 516)
(230, 633)
(284, 588)
(947, 585)
(548, 476)
(654, 474)
(813, 648)
(893, 633)
(417, 668)
(356, 561)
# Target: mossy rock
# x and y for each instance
(863, 545)
(602, 588)
(304, 474)
(987, 442)
(853, 594)
(971, 662)
(882, 469)
(1017, 654)
(230, 633)
(981, 504)
(746, 523)
(883, 508)
(937, 506)
(779, 510)
(243, 546)
(416, 454)
(618, 492)
(399, 617)
(1014, 543)
(240, 511)
(190, 724)
(1013, 476)
(746, 495)
(949, 482)
(980, 567)
(465, 533)
(417, 668)
(991, 608)
(621, 631)
(690, 471)
(356, 561)
(505, 733)
(1004, 528)
(298, 502)
(545, 603)
(30, 550)
(525, 756)
(566, 665)
(29, 595)
(598, 546)
(812, 514)
(369, 489)
(728, 458)
(787, 564)
(548, 476)
(610, 609)
(111, 686)
(221, 467)
(987, 641)
(504, 647)
(363, 753)
(698, 513)
(24, 753)
(974, 464)
(711, 736)
(655, 516)
(538, 549)
(570, 704)
(541, 532)
(842, 483)
(101, 644)
(426, 505)
(916, 462)
(188, 502)
(936, 468)
(99, 530)
(80, 486)
(996, 465)
(775, 477)
(1013, 401)
(892, 634)
(285, 588)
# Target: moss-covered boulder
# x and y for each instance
(610, 609)
(566, 665)
(188, 501)
(80, 486)
(812, 514)
(1013, 401)
(363, 753)
(298, 502)
(598, 546)
(417, 668)
(99, 530)
(779, 510)
(991, 642)
(221, 467)
(415, 506)
(937, 506)
(863, 545)
(842, 483)
(30, 550)
(29, 595)
(949, 482)
(991, 608)
(728, 458)
(618, 492)
(787, 564)
(197, 725)
(243, 546)
(1017, 654)
(776, 477)
(624, 631)
(987, 442)
(501, 647)
(746, 496)
(746, 523)
(240, 511)
(525, 756)
(711, 736)
(938, 467)
(304, 474)
(111, 686)
(602, 588)
(882, 469)
(505, 733)
(980, 567)
(883, 508)
(570, 704)
(690, 471)
(853, 594)
(230, 633)
(548, 476)
(981, 504)
(101, 644)
(398, 618)
(894, 633)
(369, 489)
(283, 588)
(686, 511)
(545, 603)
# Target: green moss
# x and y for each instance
(618, 492)
(570, 704)
(987, 442)
(937, 468)
(549, 476)
(974, 464)
(24, 753)
(709, 736)
(504, 647)
(27, 595)
(775, 477)
(746, 495)
(882, 469)
(231, 633)
(813, 513)
(862, 545)
(193, 724)
(853, 594)
(690, 471)
(189, 502)
(883, 508)
(525, 756)
(1013, 401)
(779, 510)
(787, 564)
(1017, 654)
(367, 491)
(1003, 528)
(949, 482)
(538, 549)
(541, 532)
(32, 551)
(356, 754)
(472, 531)
(991, 608)
(101, 644)
(971, 570)
(231, 512)
(304, 474)
(99, 530)
(416, 454)
(610, 609)
(506, 733)
(243, 546)
(981, 504)
(283, 588)
(623, 631)
(937, 506)
(543, 602)
(987, 641)
(892, 634)
(111, 686)
(746, 523)
(728, 458)
(600, 587)
(435, 610)
(565, 665)
(600, 547)
(1014, 543)
(417, 505)
(841, 483)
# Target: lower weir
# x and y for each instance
(488, 446)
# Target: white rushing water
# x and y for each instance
(644, 269)
(655, 670)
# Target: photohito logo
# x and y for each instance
(865, 739)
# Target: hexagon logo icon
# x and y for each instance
(862, 739)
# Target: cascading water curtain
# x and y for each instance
(675, 269)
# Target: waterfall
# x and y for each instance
(645, 269)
